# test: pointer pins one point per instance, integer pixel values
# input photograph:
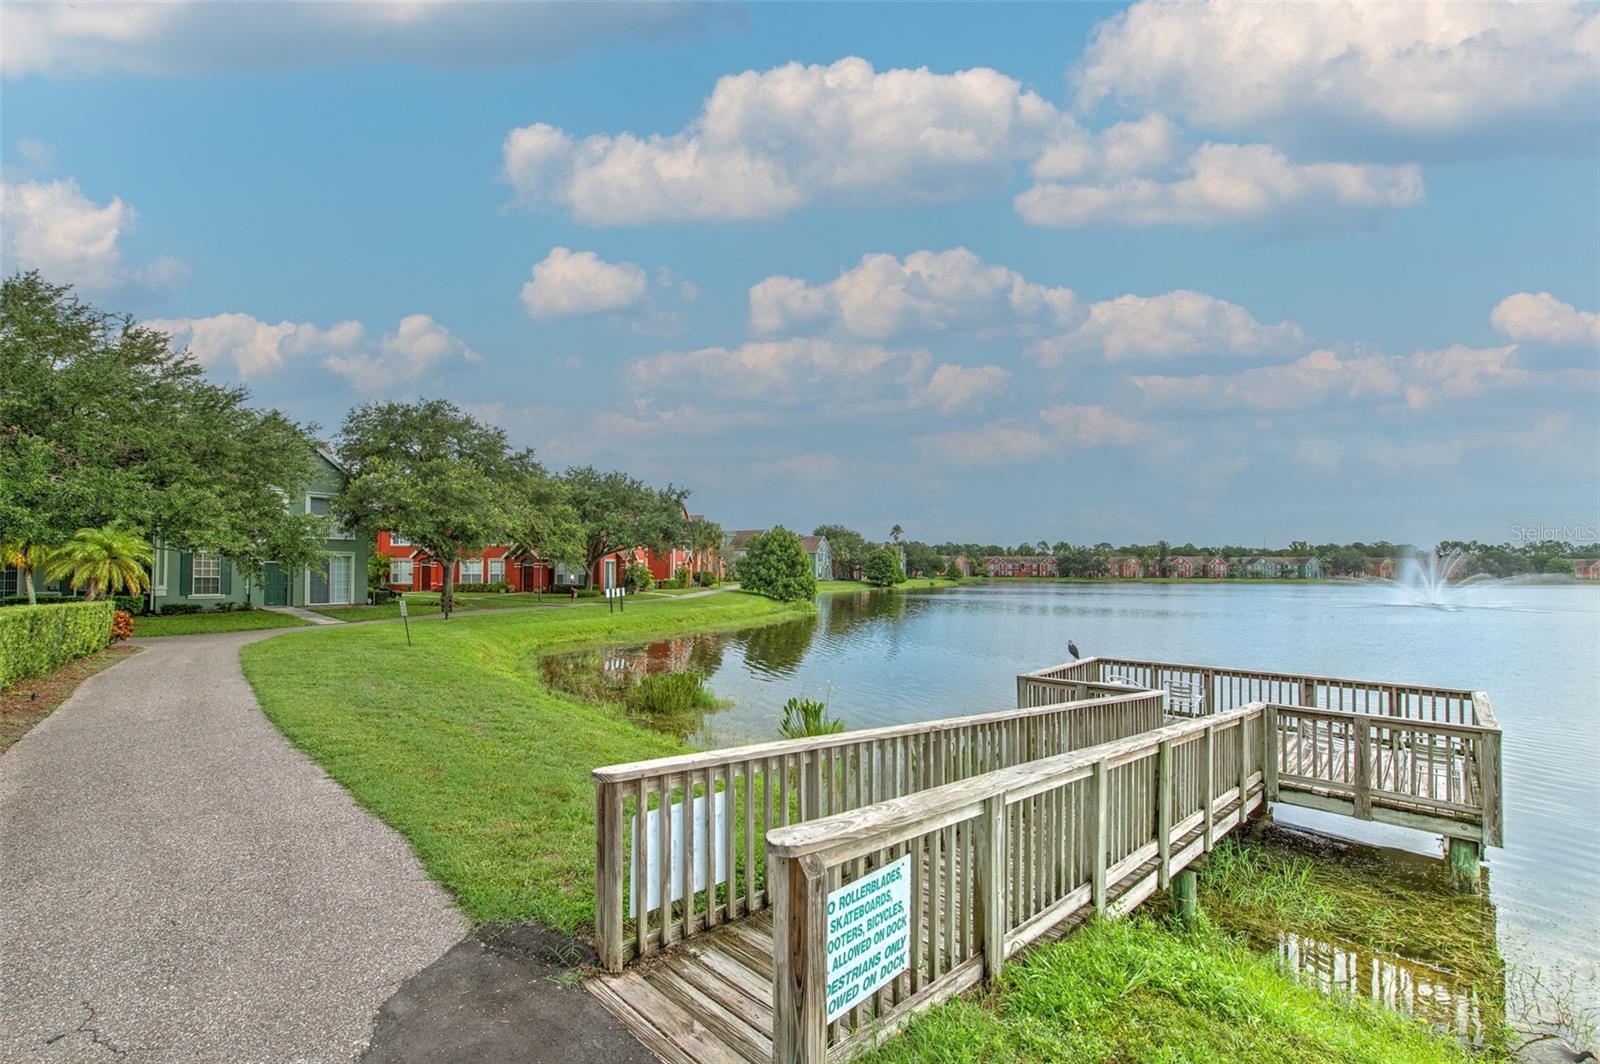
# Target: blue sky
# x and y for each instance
(1213, 272)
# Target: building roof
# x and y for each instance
(812, 544)
(739, 539)
(1019, 558)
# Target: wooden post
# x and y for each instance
(1208, 790)
(1022, 692)
(1164, 812)
(1489, 788)
(1269, 753)
(1099, 807)
(608, 875)
(1244, 767)
(1363, 780)
(799, 889)
(1308, 693)
(1465, 875)
(991, 881)
(1185, 897)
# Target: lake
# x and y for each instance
(880, 658)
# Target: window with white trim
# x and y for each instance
(206, 574)
(497, 569)
(400, 571)
(471, 571)
(397, 540)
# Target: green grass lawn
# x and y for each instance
(202, 623)
(1144, 991)
(679, 590)
(458, 744)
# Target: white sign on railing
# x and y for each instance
(652, 855)
(869, 935)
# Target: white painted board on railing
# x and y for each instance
(652, 855)
(869, 935)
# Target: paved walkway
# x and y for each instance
(177, 883)
(304, 615)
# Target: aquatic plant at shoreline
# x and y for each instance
(673, 702)
(805, 717)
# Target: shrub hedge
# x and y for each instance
(35, 640)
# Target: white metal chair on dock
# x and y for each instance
(1185, 699)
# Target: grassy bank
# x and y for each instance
(212, 621)
(920, 583)
(1147, 990)
(1142, 990)
(458, 744)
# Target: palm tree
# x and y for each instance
(104, 561)
(705, 540)
(27, 557)
(895, 533)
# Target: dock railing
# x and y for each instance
(1419, 756)
(997, 861)
(655, 886)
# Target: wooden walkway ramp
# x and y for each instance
(710, 999)
(980, 836)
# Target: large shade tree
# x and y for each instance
(544, 522)
(101, 422)
(619, 512)
(433, 473)
(848, 547)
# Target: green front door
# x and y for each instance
(274, 585)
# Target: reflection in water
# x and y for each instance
(1435, 995)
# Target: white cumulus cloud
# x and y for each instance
(196, 36)
(571, 282)
(53, 227)
(768, 142)
(250, 348)
(929, 291)
(1178, 324)
(1542, 318)
(1413, 69)
(1419, 380)
(1226, 183)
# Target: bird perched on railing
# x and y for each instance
(1072, 648)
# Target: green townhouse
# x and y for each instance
(209, 580)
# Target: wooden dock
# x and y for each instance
(717, 872)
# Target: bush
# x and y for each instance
(35, 640)
(637, 578)
(131, 603)
(777, 566)
(705, 579)
(183, 607)
(683, 577)
(122, 625)
(882, 568)
(382, 595)
(496, 586)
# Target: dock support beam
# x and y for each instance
(1465, 873)
(1185, 897)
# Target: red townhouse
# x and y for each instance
(1189, 566)
(1020, 565)
(1127, 566)
(1586, 568)
(1382, 568)
(412, 569)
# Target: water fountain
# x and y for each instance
(1434, 580)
